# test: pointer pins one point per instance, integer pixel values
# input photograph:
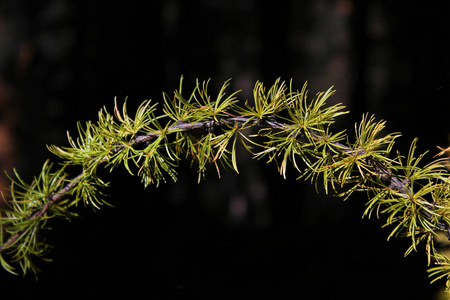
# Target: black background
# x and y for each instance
(181, 239)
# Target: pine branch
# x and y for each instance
(414, 198)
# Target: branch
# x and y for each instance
(292, 128)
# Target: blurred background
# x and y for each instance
(249, 235)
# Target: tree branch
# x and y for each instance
(211, 129)
(385, 174)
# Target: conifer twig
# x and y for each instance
(414, 198)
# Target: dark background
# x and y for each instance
(251, 235)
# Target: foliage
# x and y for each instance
(279, 125)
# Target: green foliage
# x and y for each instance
(279, 125)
